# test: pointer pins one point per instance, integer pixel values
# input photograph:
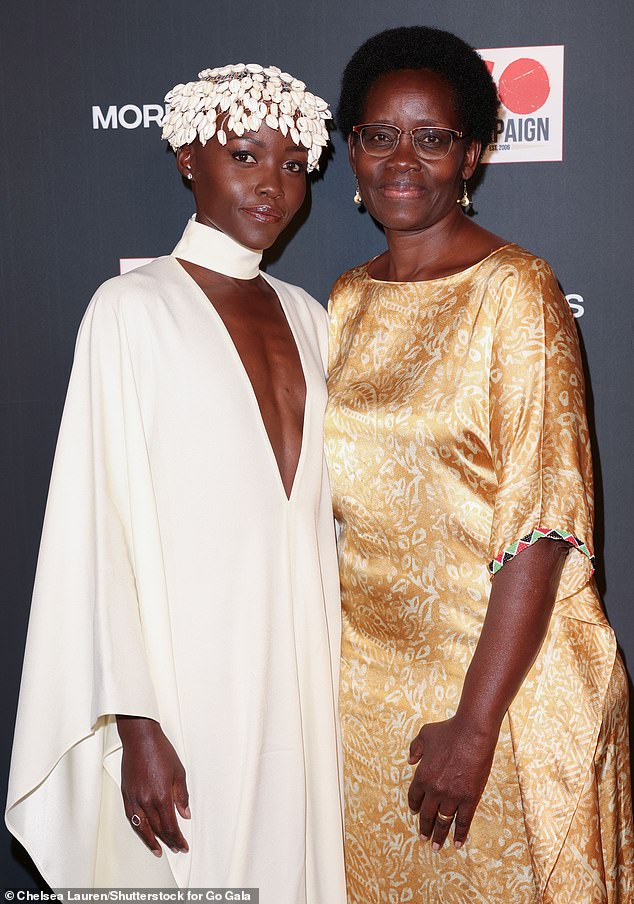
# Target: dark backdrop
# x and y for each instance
(75, 199)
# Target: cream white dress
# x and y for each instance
(177, 581)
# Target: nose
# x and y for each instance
(270, 183)
(404, 157)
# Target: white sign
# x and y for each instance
(129, 116)
(530, 82)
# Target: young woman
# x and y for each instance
(184, 636)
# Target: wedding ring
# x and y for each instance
(443, 818)
(135, 820)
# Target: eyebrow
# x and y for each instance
(289, 148)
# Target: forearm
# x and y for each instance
(522, 598)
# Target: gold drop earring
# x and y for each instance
(465, 200)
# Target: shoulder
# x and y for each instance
(515, 265)
(351, 279)
(346, 289)
(133, 285)
(529, 297)
(523, 278)
(126, 297)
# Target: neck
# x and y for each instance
(215, 250)
(420, 254)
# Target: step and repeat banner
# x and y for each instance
(89, 190)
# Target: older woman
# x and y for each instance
(184, 636)
(458, 445)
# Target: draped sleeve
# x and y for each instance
(87, 652)
(538, 431)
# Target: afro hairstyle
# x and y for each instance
(419, 47)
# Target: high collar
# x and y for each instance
(215, 250)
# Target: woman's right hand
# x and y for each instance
(153, 783)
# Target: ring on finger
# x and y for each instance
(135, 820)
(443, 818)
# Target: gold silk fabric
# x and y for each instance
(456, 435)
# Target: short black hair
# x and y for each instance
(419, 47)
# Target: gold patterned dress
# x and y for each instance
(456, 436)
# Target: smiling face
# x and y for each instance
(250, 188)
(403, 192)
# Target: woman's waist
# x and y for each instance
(419, 622)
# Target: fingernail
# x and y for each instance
(188, 813)
(157, 853)
(435, 847)
(176, 850)
(457, 845)
(424, 837)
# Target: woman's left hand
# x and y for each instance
(454, 760)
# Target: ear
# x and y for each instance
(186, 159)
(353, 147)
(471, 158)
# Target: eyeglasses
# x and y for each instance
(429, 142)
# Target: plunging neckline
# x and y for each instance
(288, 497)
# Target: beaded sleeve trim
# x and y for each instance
(538, 533)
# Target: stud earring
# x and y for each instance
(465, 200)
(189, 176)
(358, 200)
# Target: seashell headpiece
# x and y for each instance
(239, 99)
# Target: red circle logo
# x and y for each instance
(524, 86)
